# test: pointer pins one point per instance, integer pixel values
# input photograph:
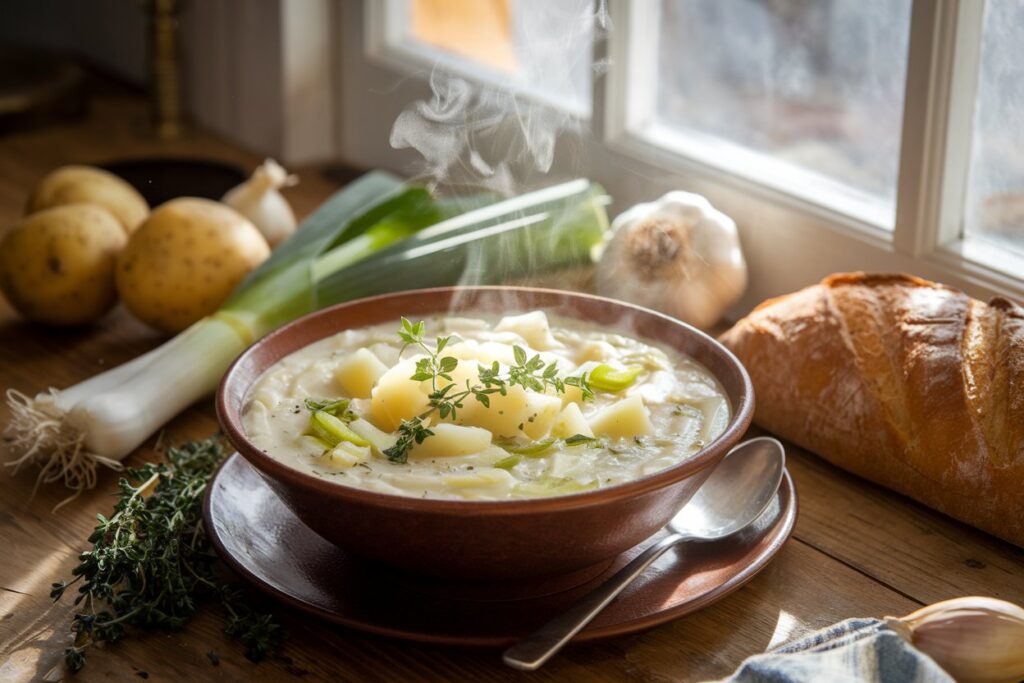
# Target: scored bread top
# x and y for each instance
(904, 381)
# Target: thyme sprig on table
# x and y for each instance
(533, 374)
(151, 563)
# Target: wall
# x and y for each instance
(259, 72)
(108, 33)
(232, 64)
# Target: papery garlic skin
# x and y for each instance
(678, 255)
(259, 200)
(975, 639)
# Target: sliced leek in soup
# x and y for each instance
(484, 409)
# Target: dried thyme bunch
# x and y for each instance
(151, 563)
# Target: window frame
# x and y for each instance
(935, 159)
(790, 239)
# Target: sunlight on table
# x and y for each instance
(787, 627)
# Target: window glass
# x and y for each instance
(813, 84)
(542, 47)
(995, 191)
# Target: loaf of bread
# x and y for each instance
(905, 382)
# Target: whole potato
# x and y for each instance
(89, 185)
(57, 265)
(184, 261)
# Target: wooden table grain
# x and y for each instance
(858, 550)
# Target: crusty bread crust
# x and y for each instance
(903, 381)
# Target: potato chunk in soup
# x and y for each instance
(475, 408)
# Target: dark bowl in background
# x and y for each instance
(162, 179)
(483, 540)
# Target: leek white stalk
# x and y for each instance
(975, 639)
(158, 390)
(367, 239)
(39, 435)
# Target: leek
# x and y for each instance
(333, 431)
(536, 449)
(508, 463)
(554, 228)
(377, 235)
(608, 378)
(545, 487)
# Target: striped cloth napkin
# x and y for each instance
(852, 651)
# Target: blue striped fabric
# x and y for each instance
(853, 651)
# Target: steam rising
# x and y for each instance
(503, 138)
(475, 136)
(456, 132)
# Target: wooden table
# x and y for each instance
(858, 550)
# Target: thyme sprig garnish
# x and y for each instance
(409, 432)
(533, 374)
(151, 563)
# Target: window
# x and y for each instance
(541, 48)
(839, 134)
(995, 195)
(810, 94)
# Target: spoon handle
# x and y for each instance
(530, 653)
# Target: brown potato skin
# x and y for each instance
(185, 260)
(57, 265)
(89, 185)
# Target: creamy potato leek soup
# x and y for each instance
(482, 408)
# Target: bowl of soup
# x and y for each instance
(485, 433)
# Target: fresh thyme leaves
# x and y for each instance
(410, 431)
(524, 373)
(533, 374)
(151, 563)
(412, 334)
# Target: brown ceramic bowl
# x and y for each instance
(516, 539)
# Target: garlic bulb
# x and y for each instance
(259, 200)
(975, 639)
(678, 255)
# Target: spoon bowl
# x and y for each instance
(733, 497)
(737, 492)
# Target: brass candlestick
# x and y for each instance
(165, 69)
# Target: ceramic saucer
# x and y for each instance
(259, 537)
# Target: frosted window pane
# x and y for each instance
(539, 46)
(815, 83)
(995, 195)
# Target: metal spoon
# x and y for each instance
(733, 497)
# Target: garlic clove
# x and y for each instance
(260, 200)
(678, 255)
(975, 639)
